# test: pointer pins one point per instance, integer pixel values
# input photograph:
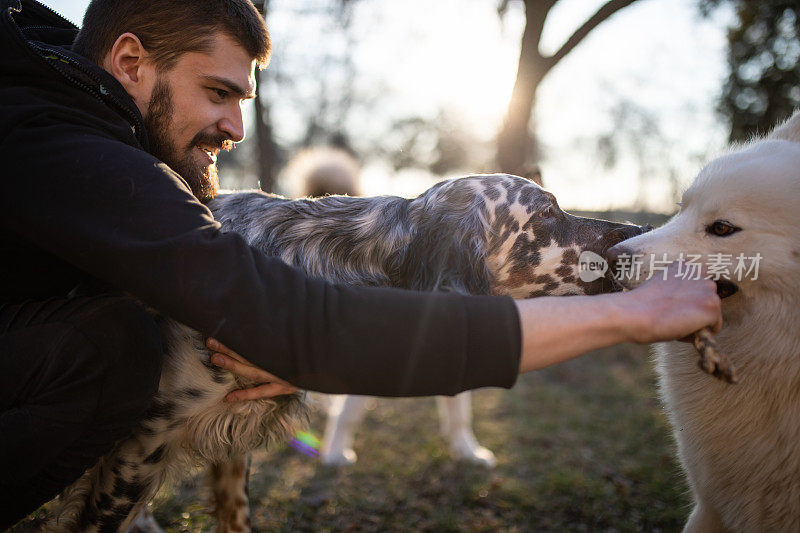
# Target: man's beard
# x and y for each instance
(202, 179)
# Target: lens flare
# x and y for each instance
(305, 442)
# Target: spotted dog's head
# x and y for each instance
(502, 234)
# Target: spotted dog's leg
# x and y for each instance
(118, 487)
(344, 415)
(455, 416)
(114, 491)
(229, 488)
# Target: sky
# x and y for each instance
(659, 56)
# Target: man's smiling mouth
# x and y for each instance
(211, 153)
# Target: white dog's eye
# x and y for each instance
(722, 228)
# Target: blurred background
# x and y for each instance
(618, 103)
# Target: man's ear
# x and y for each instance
(789, 130)
(128, 62)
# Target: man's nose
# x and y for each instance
(232, 124)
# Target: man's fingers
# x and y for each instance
(215, 345)
(267, 390)
(250, 372)
(716, 327)
(246, 371)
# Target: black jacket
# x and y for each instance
(81, 198)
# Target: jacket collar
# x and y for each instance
(50, 37)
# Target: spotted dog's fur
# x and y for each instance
(493, 234)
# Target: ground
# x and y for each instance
(583, 446)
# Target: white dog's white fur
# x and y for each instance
(740, 444)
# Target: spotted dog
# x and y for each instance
(489, 234)
(519, 243)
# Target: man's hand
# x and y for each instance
(673, 308)
(557, 328)
(270, 386)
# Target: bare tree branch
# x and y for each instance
(608, 9)
(516, 145)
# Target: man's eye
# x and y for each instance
(220, 93)
(722, 228)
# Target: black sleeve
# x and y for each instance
(119, 214)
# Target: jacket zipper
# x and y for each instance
(136, 125)
(132, 118)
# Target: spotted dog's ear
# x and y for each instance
(789, 130)
(446, 253)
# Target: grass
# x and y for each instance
(583, 446)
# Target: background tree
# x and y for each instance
(516, 147)
(637, 137)
(267, 152)
(763, 85)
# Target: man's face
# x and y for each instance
(195, 111)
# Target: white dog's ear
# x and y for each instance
(789, 130)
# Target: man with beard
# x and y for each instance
(109, 138)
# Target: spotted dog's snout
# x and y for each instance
(625, 232)
(618, 249)
(615, 252)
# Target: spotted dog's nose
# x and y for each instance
(624, 232)
(614, 253)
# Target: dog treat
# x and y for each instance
(712, 361)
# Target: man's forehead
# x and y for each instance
(226, 63)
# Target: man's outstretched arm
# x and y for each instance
(556, 329)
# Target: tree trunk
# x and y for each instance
(516, 144)
(265, 146)
(265, 141)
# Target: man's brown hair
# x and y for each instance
(170, 28)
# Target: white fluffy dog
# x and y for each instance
(740, 444)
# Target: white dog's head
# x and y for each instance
(743, 212)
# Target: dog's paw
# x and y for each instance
(480, 456)
(465, 447)
(342, 457)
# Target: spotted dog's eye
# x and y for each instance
(547, 213)
(722, 228)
